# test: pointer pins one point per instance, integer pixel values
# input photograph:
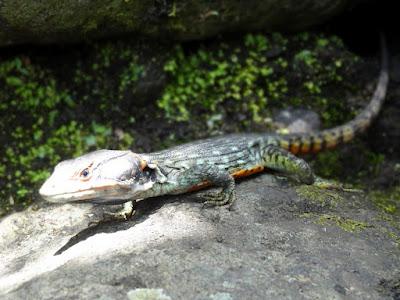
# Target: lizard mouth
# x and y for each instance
(67, 197)
(51, 194)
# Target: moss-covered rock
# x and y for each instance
(244, 77)
(25, 21)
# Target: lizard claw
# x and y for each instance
(117, 216)
(218, 199)
(122, 215)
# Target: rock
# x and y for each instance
(279, 241)
(297, 120)
(67, 21)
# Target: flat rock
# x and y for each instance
(278, 242)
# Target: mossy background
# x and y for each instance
(58, 103)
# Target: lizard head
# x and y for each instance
(103, 176)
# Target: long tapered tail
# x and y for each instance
(326, 139)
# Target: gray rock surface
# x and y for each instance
(25, 21)
(276, 243)
(297, 120)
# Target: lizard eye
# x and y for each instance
(85, 173)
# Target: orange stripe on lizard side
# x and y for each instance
(237, 174)
(245, 173)
(199, 186)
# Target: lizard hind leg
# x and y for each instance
(283, 161)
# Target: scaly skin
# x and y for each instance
(112, 177)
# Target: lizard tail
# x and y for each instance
(326, 139)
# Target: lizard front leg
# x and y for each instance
(125, 213)
(226, 195)
(205, 175)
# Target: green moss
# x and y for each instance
(246, 78)
(328, 164)
(387, 201)
(323, 197)
(389, 220)
(395, 237)
(336, 163)
(96, 78)
(346, 224)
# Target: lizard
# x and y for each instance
(124, 177)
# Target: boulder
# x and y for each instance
(50, 21)
(280, 241)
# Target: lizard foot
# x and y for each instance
(123, 214)
(219, 199)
